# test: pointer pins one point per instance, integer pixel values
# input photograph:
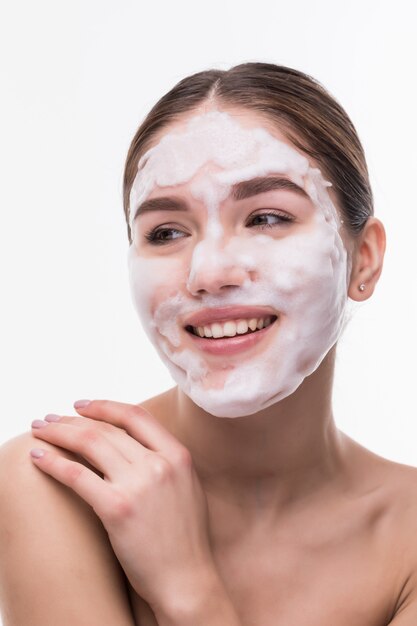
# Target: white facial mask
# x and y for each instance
(302, 276)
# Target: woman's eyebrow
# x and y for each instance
(165, 203)
(262, 184)
(240, 191)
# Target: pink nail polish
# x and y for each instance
(39, 424)
(37, 453)
(80, 404)
(51, 417)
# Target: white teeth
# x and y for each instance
(252, 323)
(217, 330)
(231, 328)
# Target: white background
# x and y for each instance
(77, 78)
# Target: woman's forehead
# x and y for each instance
(219, 137)
(236, 146)
(208, 134)
(245, 118)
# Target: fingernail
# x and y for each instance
(37, 453)
(39, 424)
(51, 417)
(80, 404)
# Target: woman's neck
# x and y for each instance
(277, 455)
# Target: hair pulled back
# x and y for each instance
(309, 116)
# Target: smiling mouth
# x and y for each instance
(231, 328)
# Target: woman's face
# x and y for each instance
(238, 270)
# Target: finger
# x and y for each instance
(90, 443)
(90, 487)
(140, 424)
(127, 445)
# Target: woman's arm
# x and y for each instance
(56, 563)
(143, 486)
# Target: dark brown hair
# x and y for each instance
(308, 115)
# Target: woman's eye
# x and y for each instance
(159, 236)
(165, 235)
(269, 219)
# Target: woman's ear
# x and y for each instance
(367, 260)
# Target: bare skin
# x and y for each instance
(341, 551)
(308, 526)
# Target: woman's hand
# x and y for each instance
(147, 495)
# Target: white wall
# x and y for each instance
(77, 78)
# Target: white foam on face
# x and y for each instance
(302, 276)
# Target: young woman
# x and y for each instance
(232, 499)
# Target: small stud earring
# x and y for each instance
(361, 287)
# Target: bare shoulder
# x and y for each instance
(400, 490)
(394, 491)
(399, 484)
(402, 495)
(50, 539)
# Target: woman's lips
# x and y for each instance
(222, 314)
(230, 345)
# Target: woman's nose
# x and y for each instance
(213, 271)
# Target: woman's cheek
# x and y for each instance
(152, 281)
